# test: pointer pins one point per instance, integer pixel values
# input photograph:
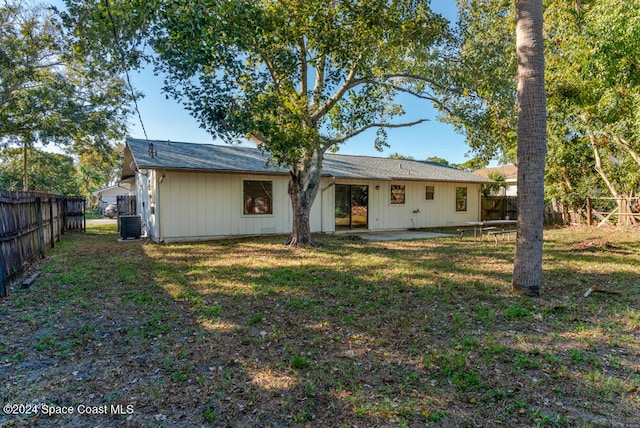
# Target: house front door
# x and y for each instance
(352, 206)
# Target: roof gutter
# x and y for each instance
(158, 217)
(332, 176)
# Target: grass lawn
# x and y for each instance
(250, 333)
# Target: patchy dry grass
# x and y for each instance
(251, 333)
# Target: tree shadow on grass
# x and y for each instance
(392, 346)
(251, 333)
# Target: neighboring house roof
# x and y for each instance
(228, 158)
(510, 172)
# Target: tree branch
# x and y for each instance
(374, 125)
(421, 79)
(348, 83)
(598, 166)
(417, 95)
(319, 84)
(625, 144)
(302, 54)
(409, 91)
(351, 82)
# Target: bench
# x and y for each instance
(463, 230)
(475, 230)
(495, 233)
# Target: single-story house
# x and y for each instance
(189, 192)
(510, 173)
(106, 195)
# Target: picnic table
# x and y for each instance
(492, 227)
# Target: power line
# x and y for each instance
(126, 70)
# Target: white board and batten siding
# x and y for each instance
(199, 206)
(191, 206)
(438, 212)
(418, 212)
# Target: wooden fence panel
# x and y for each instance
(499, 207)
(75, 213)
(506, 207)
(30, 222)
(553, 215)
(126, 205)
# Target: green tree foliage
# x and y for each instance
(397, 155)
(48, 172)
(569, 175)
(594, 104)
(499, 184)
(298, 78)
(591, 75)
(472, 164)
(483, 71)
(100, 168)
(48, 93)
(439, 160)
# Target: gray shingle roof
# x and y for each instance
(227, 158)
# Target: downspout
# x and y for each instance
(139, 188)
(158, 207)
(479, 214)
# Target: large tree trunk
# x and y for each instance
(532, 147)
(303, 188)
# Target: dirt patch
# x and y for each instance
(601, 244)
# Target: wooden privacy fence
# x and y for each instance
(31, 222)
(499, 208)
(126, 205)
(506, 207)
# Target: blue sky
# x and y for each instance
(165, 119)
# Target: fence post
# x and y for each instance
(40, 226)
(589, 208)
(51, 225)
(63, 214)
(3, 288)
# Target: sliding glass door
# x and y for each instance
(352, 204)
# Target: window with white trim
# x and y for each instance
(257, 197)
(397, 194)
(430, 192)
(461, 198)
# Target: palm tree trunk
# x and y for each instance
(532, 147)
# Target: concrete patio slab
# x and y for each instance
(403, 235)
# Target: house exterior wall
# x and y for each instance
(439, 212)
(198, 206)
(191, 206)
(511, 190)
(106, 196)
(146, 202)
